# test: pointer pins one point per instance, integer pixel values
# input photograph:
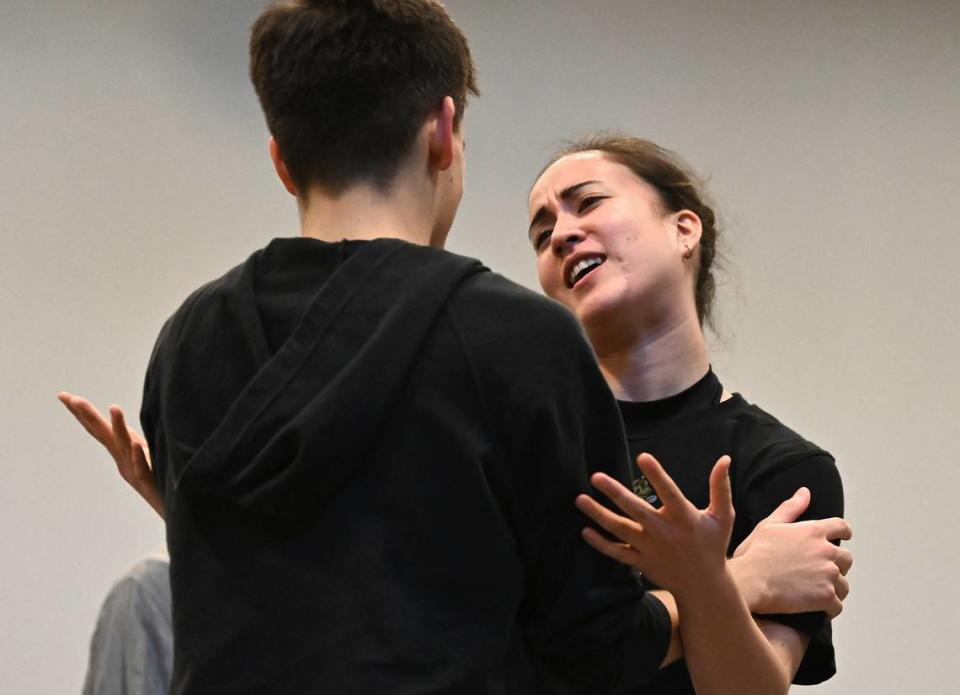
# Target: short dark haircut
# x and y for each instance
(678, 188)
(345, 85)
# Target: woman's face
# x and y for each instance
(604, 247)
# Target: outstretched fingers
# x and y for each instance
(627, 529)
(142, 469)
(88, 416)
(624, 528)
(127, 448)
(667, 490)
(621, 552)
(119, 424)
(636, 508)
(721, 494)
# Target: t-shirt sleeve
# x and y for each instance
(818, 472)
(585, 616)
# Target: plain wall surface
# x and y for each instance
(133, 167)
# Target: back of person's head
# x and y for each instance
(346, 85)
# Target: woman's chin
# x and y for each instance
(599, 313)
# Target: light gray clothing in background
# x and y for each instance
(131, 652)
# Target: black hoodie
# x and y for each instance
(369, 453)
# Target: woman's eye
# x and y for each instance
(588, 202)
(541, 238)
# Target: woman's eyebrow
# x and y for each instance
(565, 194)
(540, 216)
(570, 190)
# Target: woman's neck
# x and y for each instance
(654, 365)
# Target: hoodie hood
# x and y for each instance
(269, 392)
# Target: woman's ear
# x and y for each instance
(689, 230)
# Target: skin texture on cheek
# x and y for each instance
(548, 276)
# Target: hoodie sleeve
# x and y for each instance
(584, 615)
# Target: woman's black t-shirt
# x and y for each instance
(687, 433)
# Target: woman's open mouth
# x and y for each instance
(582, 268)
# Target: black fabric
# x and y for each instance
(705, 392)
(369, 454)
(687, 433)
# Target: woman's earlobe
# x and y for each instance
(689, 230)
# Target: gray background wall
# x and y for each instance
(133, 166)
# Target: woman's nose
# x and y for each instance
(565, 239)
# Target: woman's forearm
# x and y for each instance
(725, 650)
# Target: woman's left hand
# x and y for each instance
(677, 546)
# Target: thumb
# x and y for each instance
(721, 495)
(790, 509)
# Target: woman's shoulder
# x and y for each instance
(763, 441)
(771, 461)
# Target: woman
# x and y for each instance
(625, 239)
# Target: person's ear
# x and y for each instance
(689, 230)
(442, 135)
(281, 167)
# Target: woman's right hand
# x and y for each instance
(787, 566)
(127, 447)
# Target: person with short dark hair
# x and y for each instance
(346, 85)
(342, 426)
(367, 449)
